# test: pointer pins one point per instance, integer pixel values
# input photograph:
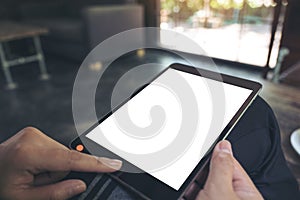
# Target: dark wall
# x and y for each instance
(12, 9)
(7, 9)
(291, 34)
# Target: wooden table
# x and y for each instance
(285, 102)
(10, 31)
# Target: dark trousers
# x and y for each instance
(256, 145)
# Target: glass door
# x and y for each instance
(235, 30)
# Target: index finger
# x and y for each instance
(61, 159)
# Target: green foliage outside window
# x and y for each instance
(184, 9)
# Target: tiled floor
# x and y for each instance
(48, 104)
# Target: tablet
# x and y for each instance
(164, 151)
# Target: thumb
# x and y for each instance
(221, 169)
(58, 191)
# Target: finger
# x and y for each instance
(221, 169)
(75, 161)
(242, 183)
(48, 178)
(58, 157)
(70, 160)
(34, 137)
(240, 174)
(59, 191)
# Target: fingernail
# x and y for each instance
(77, 188)
(116, 164)
(225, 147)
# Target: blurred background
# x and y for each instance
(43, 43)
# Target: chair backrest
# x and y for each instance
(103, 22)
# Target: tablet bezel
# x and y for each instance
(133, 181)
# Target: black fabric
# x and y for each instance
(256, 145)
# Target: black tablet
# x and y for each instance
(164, 147)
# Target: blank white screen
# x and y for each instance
(176, 173)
